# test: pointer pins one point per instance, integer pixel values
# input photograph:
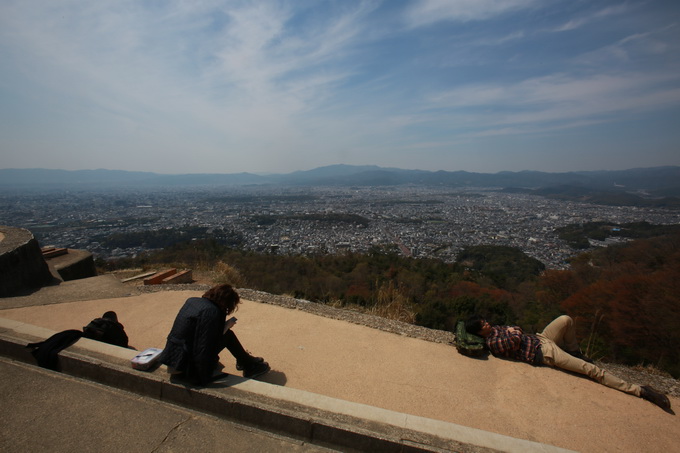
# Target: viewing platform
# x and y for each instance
(334, 383)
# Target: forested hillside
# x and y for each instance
(625, 298)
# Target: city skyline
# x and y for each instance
(422, 222)
(277, 86)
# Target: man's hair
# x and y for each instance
(110, 315)
(474, 324)
(224, 296)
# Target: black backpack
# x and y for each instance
(96, 329)
(467, 343)
(106, 331)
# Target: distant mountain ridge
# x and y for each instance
(655, 181)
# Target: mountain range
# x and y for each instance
(648, 182)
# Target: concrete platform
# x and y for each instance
(100, 287)
(296, 414)
(72, 264)
(58, 413)
(351, 387)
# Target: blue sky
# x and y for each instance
(278, 86)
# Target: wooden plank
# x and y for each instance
(47, 254)
(182, 277)
(159, 277)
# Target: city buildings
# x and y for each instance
(422, 222)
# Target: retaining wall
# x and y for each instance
(22, 266)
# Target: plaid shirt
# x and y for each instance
(518, 346)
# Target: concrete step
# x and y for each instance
(296, 414)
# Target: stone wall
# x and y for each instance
(22, 266)
(74, 265)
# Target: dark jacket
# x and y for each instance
(47, 352)
(194, 342)
(106, 331)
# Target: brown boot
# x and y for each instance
(653, 396)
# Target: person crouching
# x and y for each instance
(201, 331)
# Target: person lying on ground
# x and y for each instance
(556, 346)
(201, 331)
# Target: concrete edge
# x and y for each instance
(299, 414)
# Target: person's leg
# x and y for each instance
(562, 332)
(556, 357)
(251, 366)
(230, 341)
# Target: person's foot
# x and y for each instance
(653, 396)
(241, 365)
(255, 369)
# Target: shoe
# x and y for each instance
(651, 395)
(255, 369)
(241, 365)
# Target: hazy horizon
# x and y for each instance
(280, 86)
(324, 166)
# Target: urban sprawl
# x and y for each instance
(420, 222)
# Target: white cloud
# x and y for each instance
(426, 12)
(292, 82)
(581, 21)
(557, 101)
(247, 71)
(634, 48)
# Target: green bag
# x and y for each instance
(467, 343)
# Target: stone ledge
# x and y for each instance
(295, 413)
(73, 265)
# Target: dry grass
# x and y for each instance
(393, 303)
(225, 273)
(650, 369)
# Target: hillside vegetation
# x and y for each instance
(625, 298)
(578, 235)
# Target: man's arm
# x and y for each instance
(504, 340)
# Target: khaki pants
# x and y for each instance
(559, 337)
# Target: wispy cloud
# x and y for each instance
(237, 65)
(303, 83)
(558, 101)
(638, 47)
(605, 13)
(426, 12)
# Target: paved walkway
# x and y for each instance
(70, 407)
(358, 364)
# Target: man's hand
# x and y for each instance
(229, 324)
(514, 331)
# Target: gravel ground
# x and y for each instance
(639, 375)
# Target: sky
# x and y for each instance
(191, 86)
